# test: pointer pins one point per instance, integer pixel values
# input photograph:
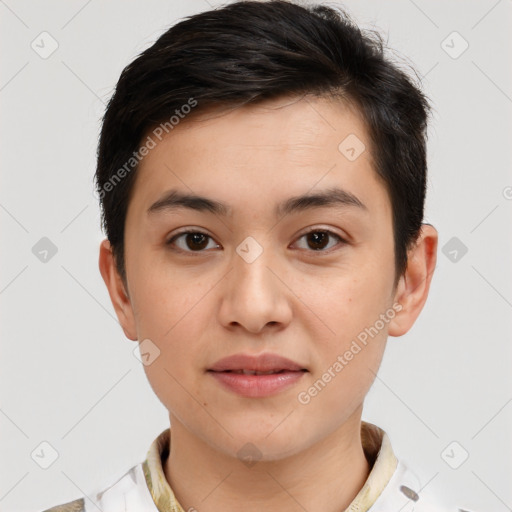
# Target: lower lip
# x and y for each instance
(256, 386)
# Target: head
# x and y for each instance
(219, 130)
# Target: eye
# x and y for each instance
(197, 241)
(318, 239)
(194, 241)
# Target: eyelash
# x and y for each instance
(314, 230)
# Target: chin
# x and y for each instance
(267, 442)
(250, 451)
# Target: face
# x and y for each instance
(264, 273)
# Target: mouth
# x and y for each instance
(266, 363)
(255, 384)
(257, 376)
(254, 372)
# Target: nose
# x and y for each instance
(255, 296)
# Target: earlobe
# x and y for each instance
(413, 287)
(118, 294)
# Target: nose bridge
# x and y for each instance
(253, 257)
(254, 296)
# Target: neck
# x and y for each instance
(326, 476)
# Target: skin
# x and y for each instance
(304, 304)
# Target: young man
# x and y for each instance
(262, 177)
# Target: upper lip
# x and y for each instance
(260, 363)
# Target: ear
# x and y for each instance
(118, 294)
(412, 289)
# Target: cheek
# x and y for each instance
(348, 358)
(172, 312)
(346, 305)
(162, 300)
(174, 322)
(350, 328)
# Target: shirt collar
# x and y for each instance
(376, 446)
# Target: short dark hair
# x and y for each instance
(251, 51)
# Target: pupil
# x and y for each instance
(318, 237)
(196, 238)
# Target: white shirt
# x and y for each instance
(390, 486)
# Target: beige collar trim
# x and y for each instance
(376, 446)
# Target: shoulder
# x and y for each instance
(128, 492)
(77, 505)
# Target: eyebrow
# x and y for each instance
(333, 197)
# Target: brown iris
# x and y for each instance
(196, 241)
(319, 239)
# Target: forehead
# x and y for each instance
(278, 148)
(282, 124)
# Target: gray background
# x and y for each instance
(68, 375)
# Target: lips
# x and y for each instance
(253, 365)
(254, 372)
(257, 376)
(257, 386)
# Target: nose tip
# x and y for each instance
(255, 297)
